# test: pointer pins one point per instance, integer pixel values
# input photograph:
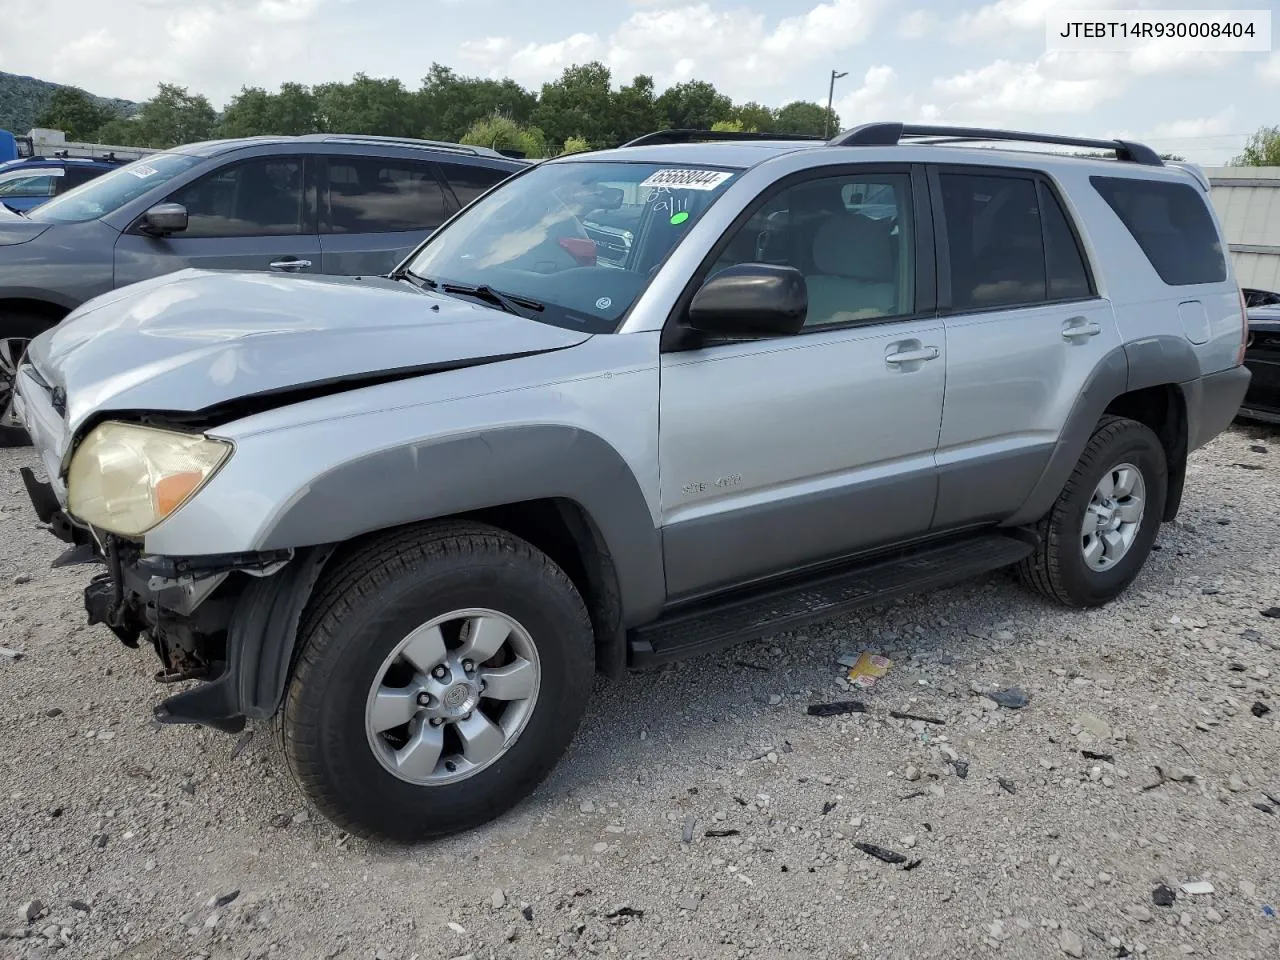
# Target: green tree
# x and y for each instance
(248, 114)
(634, 111)
(500, 132)
(577, 105)
(254, 112)
(728, 126)
(450, 105)
(754, 117)
(294, 110)
(120, 133)
(695, 105)
(372, 105)
(1262, 150)
(575, 145)
(75, 113)
(173, 116)
(806, 119)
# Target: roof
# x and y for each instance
(211, 148)
(733, 153)
(878, 142)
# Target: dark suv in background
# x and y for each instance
(322, 203)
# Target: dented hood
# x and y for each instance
(197, 339)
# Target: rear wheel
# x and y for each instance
(16, 331)
(443, 672)
(1099, 533)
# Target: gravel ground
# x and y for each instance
(174, 842)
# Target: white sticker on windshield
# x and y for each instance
(143, 171)
(681, 179)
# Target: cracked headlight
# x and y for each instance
(126, 478)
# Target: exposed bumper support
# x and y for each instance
(260, 642)
(238, 633)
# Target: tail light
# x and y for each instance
(581, 249)
(1244, 330)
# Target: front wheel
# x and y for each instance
(443, 672)
(1095, 539)
(16, 332)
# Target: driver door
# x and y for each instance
(253, 215)
(784, 452)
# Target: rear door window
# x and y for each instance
(1068, 276)
(383, 195)
(468, 181)
(994, 240)
(1172, 225)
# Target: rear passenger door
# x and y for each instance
(375, 210)
(778, 453)
(256, 214)
(1025, 329)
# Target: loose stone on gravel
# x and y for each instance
(30, 910)
(1071, 944)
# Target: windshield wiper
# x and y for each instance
(505, 301)
(414, 278)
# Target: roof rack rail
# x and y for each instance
(356, 138)
(889, 134)
(708, 136)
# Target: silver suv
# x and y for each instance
(321, 203)
(416, 513)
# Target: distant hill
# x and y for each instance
(23, 99)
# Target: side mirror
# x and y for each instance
(751, 300)
(164, 219)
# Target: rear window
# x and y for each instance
(1172, 225)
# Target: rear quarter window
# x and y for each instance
(1172, 225)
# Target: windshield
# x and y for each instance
(113, 190)
(580, 238)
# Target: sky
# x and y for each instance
(953, 61)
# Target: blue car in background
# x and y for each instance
(29, 182)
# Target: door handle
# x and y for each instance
(913, 356)
(291, 264)
(1080, 327)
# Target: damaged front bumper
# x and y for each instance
(228, 621)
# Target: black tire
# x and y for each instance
(363, 607)
(1057, 568)
(13, 327)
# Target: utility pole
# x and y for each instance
(831, 96)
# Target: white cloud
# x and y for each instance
(1269, 69)
(1007, 16)
(1061, 82)
(1196, 128)
(880, 97)
(126, 47)
(1006, 87)
(737, 46)
(917, 24)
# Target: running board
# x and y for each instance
(778, 608)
